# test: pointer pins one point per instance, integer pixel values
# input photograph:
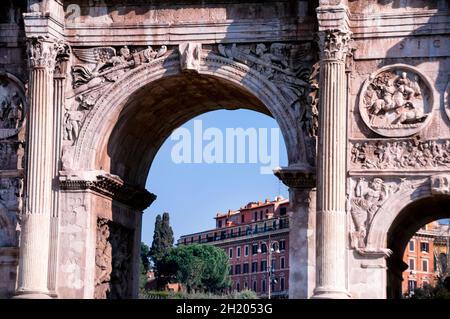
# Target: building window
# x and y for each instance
(246, 251)
(411, 264)
(282, 211)
(256, 229)
(424, 247)
(230, 252)
(255, 216)
(282, 262)
(238, 253)
(237, 269)
(411, 245)
(254, 266)
(219, 224)
(231, 270)
(263, 284)
(261, 215)
(263, 248)
(254, 285)
(242, 218)
(245, 269)
(425, 265)
(412, 285)
(281, 283)
(274, 262)
(263, 265)
(254, 249)
(245, 285)
(282, 244)
(238, 286)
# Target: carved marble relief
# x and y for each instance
(440, 184)
(93, 72)
(400, 154)
(365, 199)
(113, 260)
(12, 107)
(396, 101)
(11, 192)
(291, 68)
(190, 54)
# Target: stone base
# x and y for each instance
(32, 296)
(323, 293)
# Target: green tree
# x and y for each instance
(441, 290)
(145, 255)
(144, 265)
(200, 268)
(162, 242)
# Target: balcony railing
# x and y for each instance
(219, 234)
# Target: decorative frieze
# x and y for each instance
(396, 101)
(403, 154)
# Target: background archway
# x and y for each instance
(407, 222)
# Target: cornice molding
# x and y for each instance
(107, 185)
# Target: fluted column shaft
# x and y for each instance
(331, 168)
(35, 236)
(58, 113)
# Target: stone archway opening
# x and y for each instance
(147, 118)
(152, 113)
(406, 224)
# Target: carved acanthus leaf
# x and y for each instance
(335, 44)
(43, 51)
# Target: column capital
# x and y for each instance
(335, 45)
(43, 52)
(296, 177)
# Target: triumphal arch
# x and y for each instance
(90, 89)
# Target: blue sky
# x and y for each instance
(194, 193)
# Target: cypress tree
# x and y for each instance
(162, 242)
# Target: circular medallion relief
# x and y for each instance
(396, 100)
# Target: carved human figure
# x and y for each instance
(190, 56)
(393, 99)
(367, 200)
(72, 121)
(103, 261)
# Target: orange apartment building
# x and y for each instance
(426, 256)
(256, 239)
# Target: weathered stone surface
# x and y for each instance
(364, 112)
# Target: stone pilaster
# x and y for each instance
(34, 245)
(331, 276)
(302, 220)
(59, 83)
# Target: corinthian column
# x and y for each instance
(35, 236)
(331, 272)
